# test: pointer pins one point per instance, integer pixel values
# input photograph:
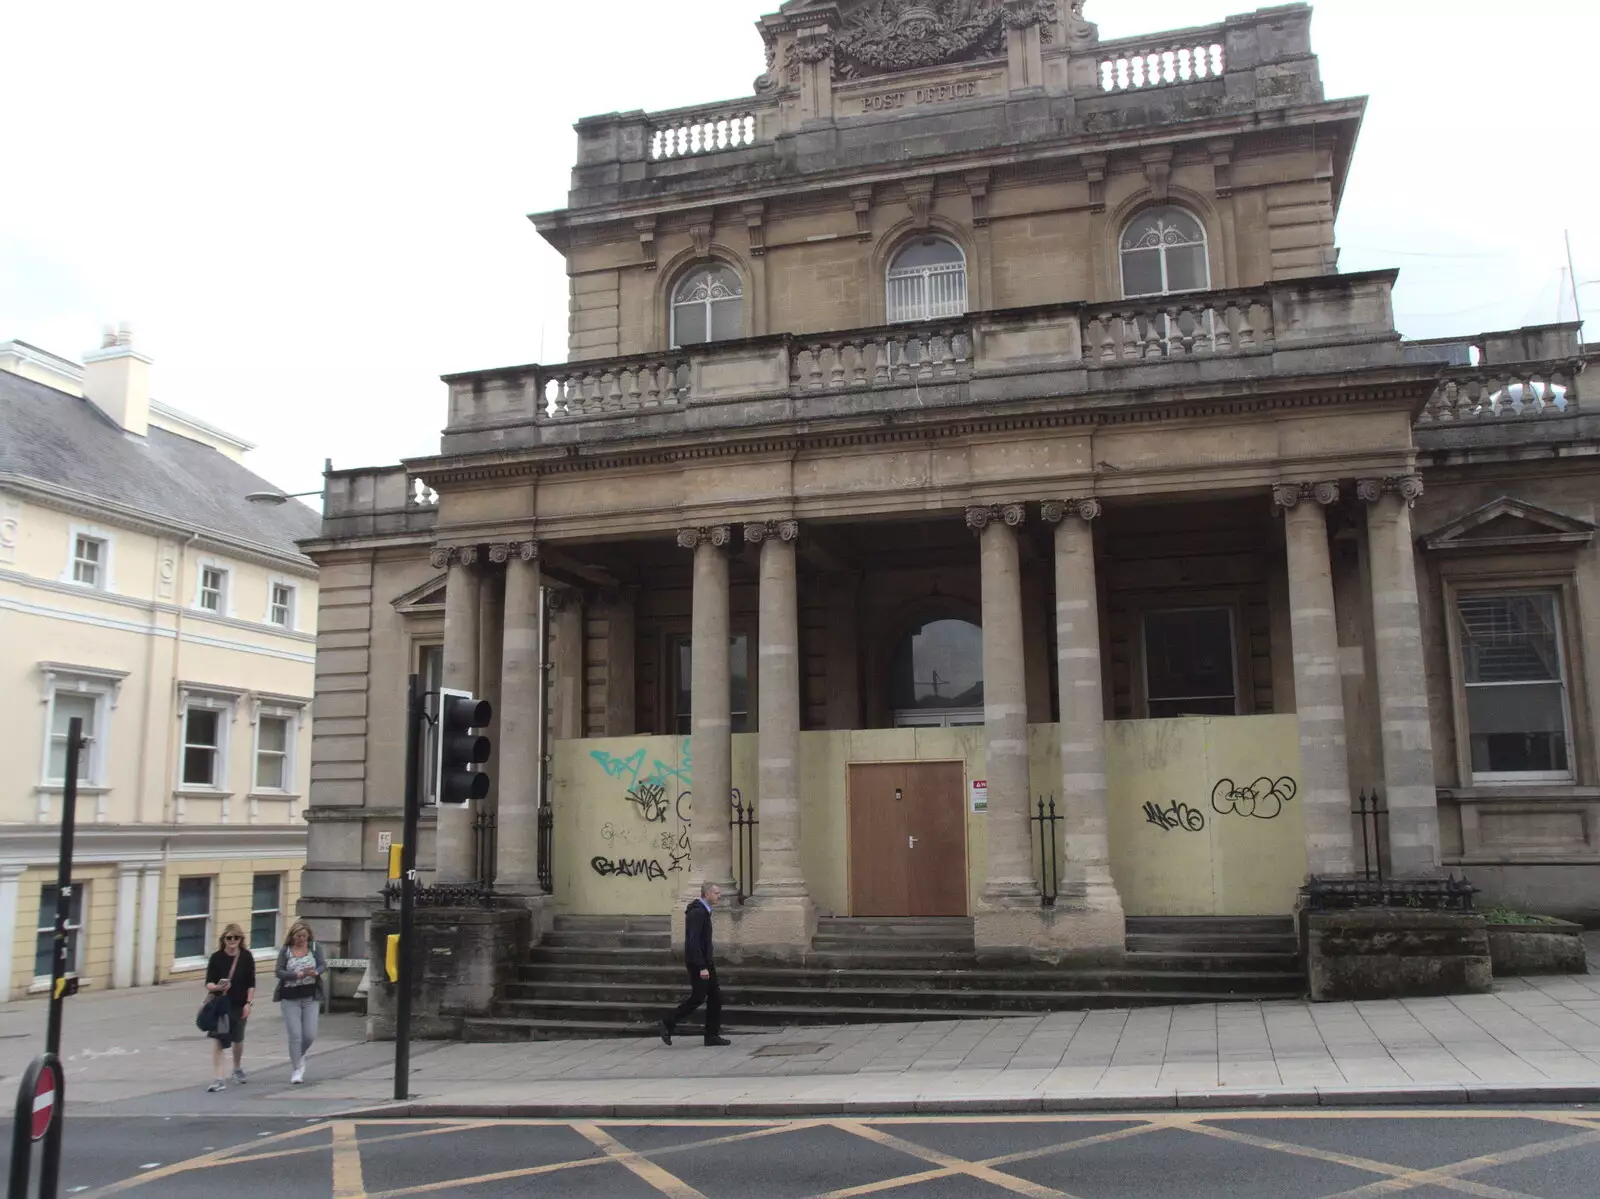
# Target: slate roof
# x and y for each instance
(63, 440)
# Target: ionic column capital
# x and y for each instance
(1407, 487)
(1287, 495)
(442, 556)
(774, 530)
(1056, 511)
(980, 516)
(504, 551)
(715, 535)
(559, 598)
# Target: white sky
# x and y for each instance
(311, 211)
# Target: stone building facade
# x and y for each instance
(972, 425)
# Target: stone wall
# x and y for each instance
(1394, 954)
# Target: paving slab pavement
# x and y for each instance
(1531, 1041)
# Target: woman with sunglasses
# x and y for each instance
(231, 972)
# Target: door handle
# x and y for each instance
(911, 842)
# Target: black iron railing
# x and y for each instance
(1448, 894)
(742, 824)
(484, 837)
(1370, 811)
(444, 895)
(1044, 823)
(547, 828)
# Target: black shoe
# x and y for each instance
(718, 1041)
(666, 1032)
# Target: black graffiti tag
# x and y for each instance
(1178, 816)
(647, 868)
(1262, 799)
(650, 799)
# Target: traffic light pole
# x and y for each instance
(50, 1162)
(416, 714)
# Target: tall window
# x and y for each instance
(44, 945)
(281, 609)
(266, 906)
(192, 936)
(89, 561)
(707, 305)
(1163, 251)
(1189, 663)
(273, 742)
(936, 670)
(738, 684)
(63, 707)
(1515, 681)
(927, 281)
(213, 589)
(202, 747)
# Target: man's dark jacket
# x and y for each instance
(697, 938)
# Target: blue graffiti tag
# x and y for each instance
(617, 767)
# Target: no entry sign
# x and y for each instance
(44, 1102)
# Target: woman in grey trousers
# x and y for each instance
(300, 969)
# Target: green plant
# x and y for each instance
(1505, 914)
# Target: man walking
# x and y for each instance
(702, 968)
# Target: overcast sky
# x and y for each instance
(311, 211)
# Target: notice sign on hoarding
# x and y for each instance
(980, 795)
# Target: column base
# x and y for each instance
(1086, 929)
(771, 925)
(532, 898)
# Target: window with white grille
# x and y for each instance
(1513, 672)
(707, 305)
(281, 609)
(927, 281)
(89, 561)
(213, 589)
(1164, 251)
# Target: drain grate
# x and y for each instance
(795, 1049)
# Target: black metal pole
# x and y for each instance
(415, 715)
(1377, 833)
(69, 815)
(22, 1132)
(50, 1165)
(1366, 850)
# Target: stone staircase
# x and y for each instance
(596, 976)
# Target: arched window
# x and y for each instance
(936, 674)
(707, 305)
(927, 281)
(1163, 251)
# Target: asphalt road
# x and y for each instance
(1544, 1153)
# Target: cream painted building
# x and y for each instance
(974, 416)
(142, 592)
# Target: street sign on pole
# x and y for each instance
(44, 1103)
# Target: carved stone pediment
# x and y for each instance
(881, 37)
(1510, 524)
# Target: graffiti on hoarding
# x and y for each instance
(1261, 800)
(646, 868)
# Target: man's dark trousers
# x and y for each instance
(697, 956)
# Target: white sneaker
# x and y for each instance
(298, 1077)
(218, 1085)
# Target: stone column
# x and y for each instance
(517, 750)
(779, 917)
(10, 904)
(711, 743)
(125, 935)
(1318, 685)
(1086, 885)
(462, 599)
(1402, 682)
(1009, 884)
(144, 973)
(566, 652)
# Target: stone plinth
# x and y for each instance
(460, 956)
(1372, 953)
(1060, 935)
(1551, 948)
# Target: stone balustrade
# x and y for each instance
(1508, 392)
(678, 136)
(618, 385)
(1210, 323)
(1160, 64)
(886, 358)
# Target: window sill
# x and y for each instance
(1502, 792)
(41, 983)
(190, 965)
(83, 788)
(293, 796)
(201, 793)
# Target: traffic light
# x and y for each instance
(460, 750)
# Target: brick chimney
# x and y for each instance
(116, 377)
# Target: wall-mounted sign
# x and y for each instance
(980, 795)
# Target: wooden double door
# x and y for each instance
(908, 839)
